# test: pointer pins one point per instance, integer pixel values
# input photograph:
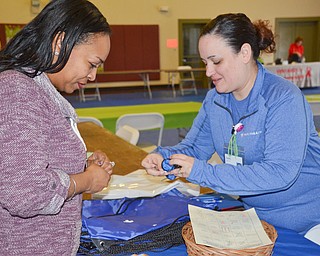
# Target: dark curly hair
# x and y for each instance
(237, 29)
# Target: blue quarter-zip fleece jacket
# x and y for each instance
(280, 175)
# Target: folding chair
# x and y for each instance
(90, 119)
(144, 122)
(129, 134)
(187, 81)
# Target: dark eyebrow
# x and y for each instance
(211, 56)
(101, 61)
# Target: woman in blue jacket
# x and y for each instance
(258, 123)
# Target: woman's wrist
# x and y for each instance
(72, 188)
(82, 181)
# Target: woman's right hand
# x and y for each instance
(92, 180)
(97, 178)
(152, 164)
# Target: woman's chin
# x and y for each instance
(221, 89)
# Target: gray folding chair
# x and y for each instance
(187, 81)
(90, 119)
(144, 122)
(129, 134)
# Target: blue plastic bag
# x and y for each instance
(120, 226)
(130, 217)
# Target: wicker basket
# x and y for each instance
(198, 249)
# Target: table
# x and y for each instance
(126, 156)
(288, 243)
(302, 74)
(144, 74)
(177, 115)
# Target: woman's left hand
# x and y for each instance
(100, 158)
(185, 162)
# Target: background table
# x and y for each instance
(144, 75)
(302, 74)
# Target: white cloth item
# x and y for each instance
(76, 131)
(314, 234)
(140, 184)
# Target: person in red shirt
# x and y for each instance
(296, 51)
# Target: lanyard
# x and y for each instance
(233, 147)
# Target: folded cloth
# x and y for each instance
(141, 184)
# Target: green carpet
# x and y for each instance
(313, 98)
(177, 115)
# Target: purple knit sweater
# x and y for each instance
(38, 149)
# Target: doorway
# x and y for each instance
(287, 29)
(189, 32)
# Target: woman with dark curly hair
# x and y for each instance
(260, 125)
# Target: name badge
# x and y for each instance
(233, 160)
